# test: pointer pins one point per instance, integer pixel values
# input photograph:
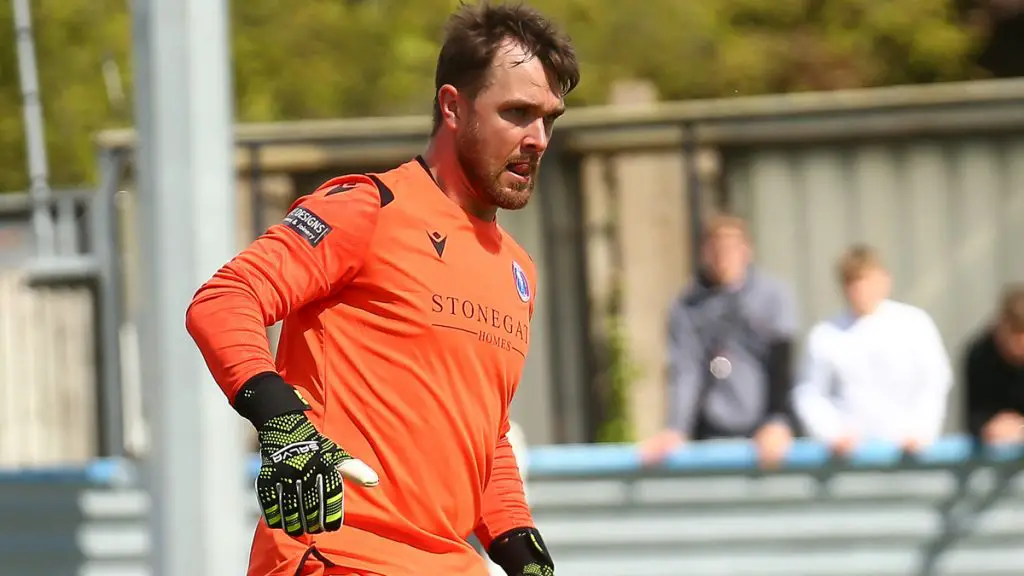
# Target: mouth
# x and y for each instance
(521, 171)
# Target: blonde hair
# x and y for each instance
(856, 261)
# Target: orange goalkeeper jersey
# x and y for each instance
(406, 324)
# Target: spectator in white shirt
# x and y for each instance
(877, 371)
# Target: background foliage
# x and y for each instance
(618, 371)
(332, 58)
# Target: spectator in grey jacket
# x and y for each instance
(730, 352)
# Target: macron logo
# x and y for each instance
(438, 240)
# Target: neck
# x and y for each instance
(866, 311)
(451, 178)
(719, 281)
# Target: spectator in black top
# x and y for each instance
(994, 376)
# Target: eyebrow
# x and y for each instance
(521, 102)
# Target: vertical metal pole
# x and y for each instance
(256, 190)
(104, 248)
(187, 209)
(67, 225)
(565, 280)
(35, 135)
(694, 195)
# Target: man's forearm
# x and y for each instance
(930, 415)
(686, 370)
(977, 419)
(780, 382)
(818, 416)
(685, 379)
(683, 408)
(936, 379)
(504, 506)
(226, 324)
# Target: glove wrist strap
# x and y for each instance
(518, 548)
(266, 396)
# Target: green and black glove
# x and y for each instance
(521, 552)
(300, 484)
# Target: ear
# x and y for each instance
(448, 101)
(748, 250)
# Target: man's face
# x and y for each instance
(727, 255)
(866, 292)
(1010, 343)
(500, 144)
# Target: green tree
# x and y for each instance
(74, 38)
(330, 58)
(724, 47)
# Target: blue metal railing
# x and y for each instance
(604, 459)
(739, 455)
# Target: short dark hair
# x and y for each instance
(473, 35)
(722, 222)
(1011, 309)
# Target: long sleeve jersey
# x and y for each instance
(885, 376)
(406, 324)
(994, 383)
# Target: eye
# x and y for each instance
(519, 112)
(549, 120)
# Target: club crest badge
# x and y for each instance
(522, 284)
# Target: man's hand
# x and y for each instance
(844, 445)
(773, 441)
(913, 445)
(657, 447)
(1006, 427)
(537, 570)
(300, 486)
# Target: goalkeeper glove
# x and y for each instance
(521, 552)
(299, 486)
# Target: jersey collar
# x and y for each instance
(490, 230)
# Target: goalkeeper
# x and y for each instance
(406, 315)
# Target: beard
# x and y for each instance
(485, 177)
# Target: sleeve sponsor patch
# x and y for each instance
(308, 225)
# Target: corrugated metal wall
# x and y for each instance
(948, 215)
(47, 375)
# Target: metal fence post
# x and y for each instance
(256, 190)
(35, 134)
(693, 192)
(104, 240)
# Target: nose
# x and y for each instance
(537, 136)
